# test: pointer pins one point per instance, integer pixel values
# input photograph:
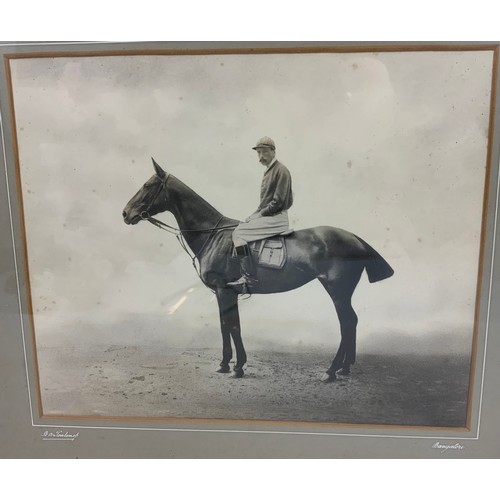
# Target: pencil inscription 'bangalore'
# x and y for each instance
(445, 447)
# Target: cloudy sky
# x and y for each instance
(390, 146)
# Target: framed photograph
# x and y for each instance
(210, 246)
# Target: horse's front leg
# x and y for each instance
(230, 327)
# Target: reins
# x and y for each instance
(179, 232)
(175, 230)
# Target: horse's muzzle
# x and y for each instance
(130, 220)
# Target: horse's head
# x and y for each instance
(150, 200)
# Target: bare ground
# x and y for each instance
(146, 381)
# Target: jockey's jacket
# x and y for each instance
(276, 190)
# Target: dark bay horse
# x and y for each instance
(335, 257)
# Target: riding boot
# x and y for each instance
(247, 267)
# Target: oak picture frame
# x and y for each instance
(192, 433)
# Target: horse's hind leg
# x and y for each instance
(340, 290)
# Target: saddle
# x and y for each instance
(270, 252)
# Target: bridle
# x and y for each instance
(145, 215)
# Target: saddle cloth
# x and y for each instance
(270, 252)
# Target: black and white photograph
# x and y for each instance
(289, 236)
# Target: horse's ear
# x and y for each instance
(159, 171)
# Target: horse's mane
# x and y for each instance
(186, 192)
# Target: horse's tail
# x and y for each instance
(377, 268)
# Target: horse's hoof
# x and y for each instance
(223, 369)
(238, 372)
(326, 378)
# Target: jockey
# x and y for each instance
(271, 217)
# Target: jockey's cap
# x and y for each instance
(265, 142)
